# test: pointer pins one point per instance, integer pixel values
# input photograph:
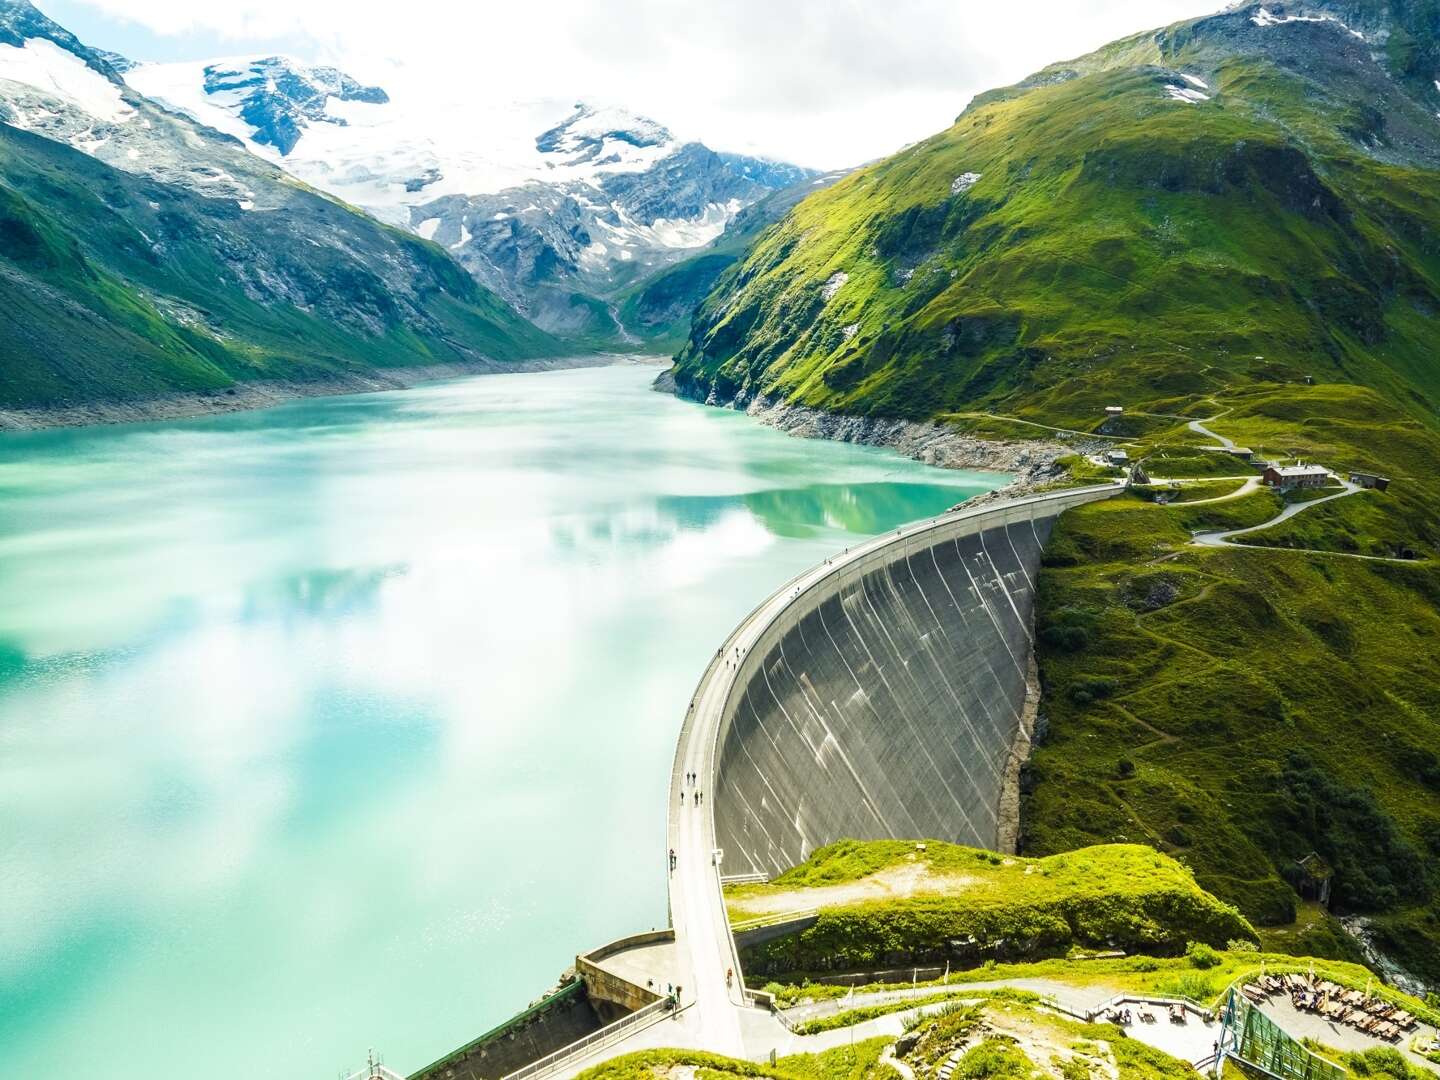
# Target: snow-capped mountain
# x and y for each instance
(278, 99)
(142, 253)
(554, 204)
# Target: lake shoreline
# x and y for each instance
(1030, 464)
(246, 397)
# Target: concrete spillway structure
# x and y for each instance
(885, 699)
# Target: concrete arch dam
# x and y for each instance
(884, 699)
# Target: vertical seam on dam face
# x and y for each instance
(884, 700)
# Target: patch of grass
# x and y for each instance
(1254, 509)
(1126, 895)
(1383, 1063)
(1188, 493)
(860, 1062)
(850, 1017)
(1315, 932)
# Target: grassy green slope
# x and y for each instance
(1128, 896)
(1118, 245)
(113, 288)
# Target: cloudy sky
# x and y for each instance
(825, 83)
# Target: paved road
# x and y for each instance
(1198, 426)
(1220, 539)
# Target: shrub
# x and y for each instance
(1125, 768)
(1241, 945)
(1190, 985)
(1383, 1062)
(1088, 688)
(1201, 956)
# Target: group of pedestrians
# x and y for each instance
(698, 795)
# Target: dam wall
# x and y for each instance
(884, 700)
(551, 1024)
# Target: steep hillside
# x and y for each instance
(1241, 197)
(658, 309)
(142, 255)
(1235, 217)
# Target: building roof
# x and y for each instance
(1301, 470)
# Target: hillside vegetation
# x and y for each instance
(1089, 237)
(114, 288)
(1000, 1039)
(1234, 219)
(908, 902)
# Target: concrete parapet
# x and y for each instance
(612, 972)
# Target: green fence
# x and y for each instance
(1255, 1039)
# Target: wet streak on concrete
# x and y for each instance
(886, 702)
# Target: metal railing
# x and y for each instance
(772, 920)
(757, 878)
(374, 1070)
(596, 1040)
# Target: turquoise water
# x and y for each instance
(348, 723)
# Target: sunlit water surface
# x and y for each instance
(347, 723)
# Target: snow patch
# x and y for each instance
(426, 229)
(89, 142)
(1184, 93)
(964, 182)
(833, 286)
(1193, 81)
(464, 238)
(246, 204)
(52, 70)
(1265, 17)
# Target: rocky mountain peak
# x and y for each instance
(600, 136)
(279, 97)
(22, 21)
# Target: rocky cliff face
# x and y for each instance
(548, 247)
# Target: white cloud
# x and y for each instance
(823, 82)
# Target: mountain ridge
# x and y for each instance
(143, 255)
(559, 209)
